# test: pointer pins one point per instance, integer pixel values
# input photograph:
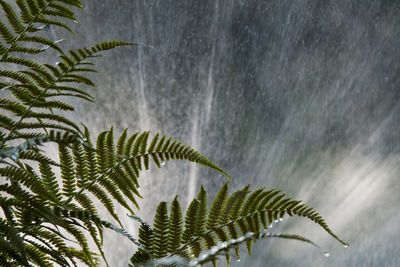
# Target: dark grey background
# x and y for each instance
(300, 95)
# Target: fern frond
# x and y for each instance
(33, 141)
(25, 14)
(10, 124)
(63, 9)
(160, 151)
(117, 173)
(226, 215)
(201, 212)
(105, 200)
(14, 243)
(214, 217)
(175, 226)
(16, 75)
(23, 62)
(70, 89)
(12, 17)
(24, 177)
(145, 239)
(50, 181)
(26, 50)
(41, 40)
(215, 213)
(74, 3)
(95, 236)
(190, 227)
(67, 171)
(160, 231)
(54, 242)
(33, 12)
(7, 36)
(33, 7)
(81, 171)
(80, 237)
(67, 71)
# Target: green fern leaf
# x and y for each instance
(59, 14)
(33, 7)
(75, 3)
(112, 189)
(33, 125)
(175, 226)
(101, 153)
(61, 8)
(41, 19)
(75, 78)
(146, 240)
(17, 248)
(67, 171)
(121, 142)
(54, 117)
(238, 211)
(109, 146)
(23, 62)
(12, 17)
(27, 50)
(79, 236)
(40, 40)
(215, 213)
(50, 181)
(24, 177)
(105, 200)
(190, 228)
(71, 89)
(160, 231)
(38, 157)
(81, 171)
(6, 34)
(95, 236)
(18, 76)
(201, 212)
(25, 14)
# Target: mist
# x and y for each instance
(297, 95)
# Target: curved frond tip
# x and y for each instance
(232, 219)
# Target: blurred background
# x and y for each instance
(297, 95)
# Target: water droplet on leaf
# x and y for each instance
(346, 246)
(162, 163)
(327, 254)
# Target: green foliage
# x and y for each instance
(227, 225)
(47, 218)
(40, 209)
